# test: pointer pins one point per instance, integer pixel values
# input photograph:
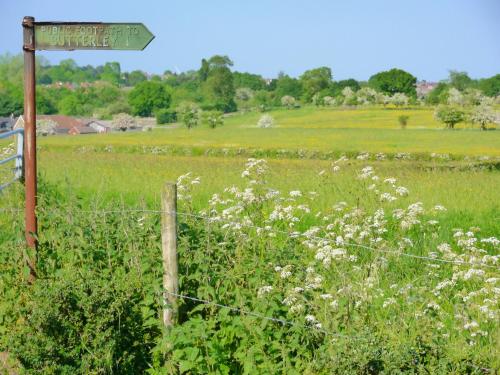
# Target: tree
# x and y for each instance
(189, 114)
(135, 77)
(393, 81)
(165, 116)
(252, 81)
(490, 86)
(11, 99)
(123, 121)
(366, 95)
(286, 85)
(449, 115)
(219, 87)
(349, 96)
(112, 73)
(147, 97)
(399, 99)
(455, 97)
(288, 101)
(483, 115)
(204, 70)
(244, 94)
(262, 100)
(460, 80)
(315, 80)
(337, 87)
(213, 118)
(329, 101)
(44, 102)
(45, 127)
(438, 95)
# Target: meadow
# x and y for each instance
(339, 242)
(307, 129)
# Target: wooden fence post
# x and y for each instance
(169, 253)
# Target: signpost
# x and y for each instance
(66, 36)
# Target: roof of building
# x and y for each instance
(62, 121)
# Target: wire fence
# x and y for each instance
(429, 259)
(312, 326)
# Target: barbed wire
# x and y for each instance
(296, 234)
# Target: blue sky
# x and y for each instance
(356, 38)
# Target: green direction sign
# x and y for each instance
(91, 35)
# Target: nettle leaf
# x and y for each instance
(185, 366)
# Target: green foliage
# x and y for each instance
(94, 304)
(439, 95)
(315, 80)
(394, 81)
(263, 100)
(403, 120)
(336, 88)
(11, 68)
(45, 104)
(252, 81)
(11, 99)
(449, 115)
(218, 86)
(135, 77)
(460, 80)
(490, 86)
(189, 114)
(213, 119)
(165, 116)
(148, 97)
(287, 86)
(111, 73)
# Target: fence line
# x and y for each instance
(257, 315)
(296, 234)
(18, 156)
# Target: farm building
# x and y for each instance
(98, 125)
(6, 123)
(59, 124)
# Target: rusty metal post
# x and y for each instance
(30, 140)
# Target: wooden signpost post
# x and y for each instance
(65, 36)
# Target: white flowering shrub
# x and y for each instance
(329, 101)
(288, 101)
(265, 121)
(399, 99)
(46, 127)
(455, 97)
(367, 95)
(123, 121)
(483, 115)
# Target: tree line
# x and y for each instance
(106, 90)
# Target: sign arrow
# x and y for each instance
(67, 36)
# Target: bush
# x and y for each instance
(123, 121)
(166, 116)
(147, 97)
(449, 115)
(288, 101)
(189, 114)
(93, 308)
(403, 121)
(213, 118)
(265, 121)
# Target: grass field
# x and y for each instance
(309, 129)
(387, 282)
